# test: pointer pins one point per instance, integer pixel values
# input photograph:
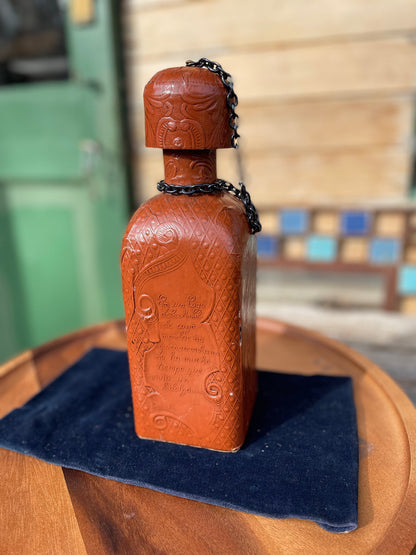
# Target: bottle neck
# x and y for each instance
(190, 167)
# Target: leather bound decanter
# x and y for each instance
(189, 276)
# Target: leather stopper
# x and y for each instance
(186, 109)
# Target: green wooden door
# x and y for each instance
(63, 194)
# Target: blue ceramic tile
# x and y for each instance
(384, 251)
(294, 222)
(355, 222)
(267, 246)
(407, 280)
(321, 248)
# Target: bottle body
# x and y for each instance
(189, 278)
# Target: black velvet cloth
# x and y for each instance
(300, 458)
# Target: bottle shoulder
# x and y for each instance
(193, 216)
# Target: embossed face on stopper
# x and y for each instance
(186, 109)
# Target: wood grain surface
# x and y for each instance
(346, 175)
(47, 509)
(320, 70)
(151, 31)
(315, 79)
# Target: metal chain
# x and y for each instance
(220, 184)
(232, 98)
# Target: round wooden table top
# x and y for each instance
(49, 509)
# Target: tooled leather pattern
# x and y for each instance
(186, 116)
(202, 169)
(151, 247)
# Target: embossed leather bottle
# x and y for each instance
(189, 277)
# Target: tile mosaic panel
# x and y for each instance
(385, 237)
(321, 248)
(390, 224)
(294, 222)
(267, 245)
(384, 250)
(410, 254)
(407, 280)
(408, 305)
(269, 222)
(355, 222)
(326, 222)
(354, 250)
(294, 248)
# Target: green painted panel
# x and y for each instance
(42, 129)
(45, 241)
(9, 340)
(13, 329)
(63, 189)
(108, 245)
(100, 70)
(65, 238)
(109, 181)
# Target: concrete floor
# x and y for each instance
(344, 308)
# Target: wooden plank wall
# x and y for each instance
(326, 90)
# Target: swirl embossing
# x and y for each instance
(162, 421)
(167, 233)
(168, 256)
(212, 385)
(147, 307)
(190, 166)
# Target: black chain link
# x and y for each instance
(209, 188)
(220, 184)
(232, 98)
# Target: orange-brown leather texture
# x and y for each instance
(189, 276)
(190, 167)
(185, 295)
(186, 108)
